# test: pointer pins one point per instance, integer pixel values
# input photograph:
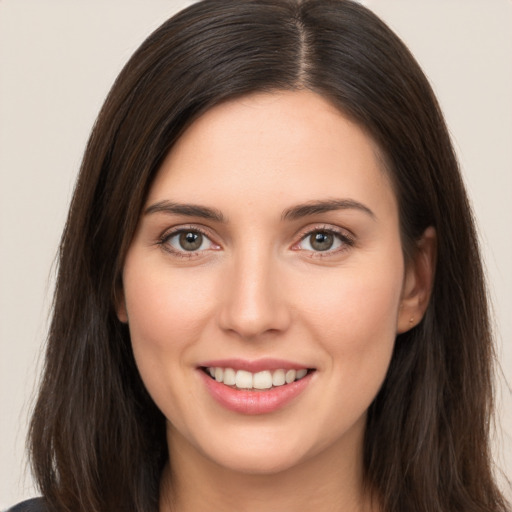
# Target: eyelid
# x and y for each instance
(176, 230)
(347, 237)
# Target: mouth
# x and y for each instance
(256, 381)
(253, 387)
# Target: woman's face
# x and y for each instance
(269, 247)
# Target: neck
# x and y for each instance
(328, 481)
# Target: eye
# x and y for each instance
(324, 240)
(187, 241)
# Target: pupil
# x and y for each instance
(191, 241)
(322, 241)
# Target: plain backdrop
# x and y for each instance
(58, 59)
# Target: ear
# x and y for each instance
(418, 282)
(120, 303)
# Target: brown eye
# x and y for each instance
(321, 241)
(190, 240)
(324, 240)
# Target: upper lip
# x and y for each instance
(257, 365)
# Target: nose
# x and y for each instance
(254, 299)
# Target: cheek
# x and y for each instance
(357, 330)
(166, 316)
(355, 317)
(166, 310)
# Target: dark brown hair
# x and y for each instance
(97, 440)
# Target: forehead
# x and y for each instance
(282, 147)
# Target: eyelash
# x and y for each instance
(346, 240)
(163, 241)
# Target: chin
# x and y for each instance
(255, 463)
(266, 451)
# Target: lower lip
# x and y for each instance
(254, 402)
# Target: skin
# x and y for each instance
(258, 288)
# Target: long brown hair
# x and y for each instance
(97, 440)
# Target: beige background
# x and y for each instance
(57, 62)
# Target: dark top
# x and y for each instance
(33, 505)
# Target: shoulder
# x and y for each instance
(33, 505)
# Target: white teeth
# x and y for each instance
(266, 379)
(243, 379)
(278, 378)
(301, 373)
(262, 380)
(290, 376)
(229, 377)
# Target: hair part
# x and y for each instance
(97, 439)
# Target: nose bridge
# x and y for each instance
(254, 302)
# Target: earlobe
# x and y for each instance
(418, 282)
(120, 304)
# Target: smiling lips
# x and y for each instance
(254, 387)
(265, 379)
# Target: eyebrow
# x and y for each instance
(315, 207)
(188, 210)
(294, 213)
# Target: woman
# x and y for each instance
(269, 292)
